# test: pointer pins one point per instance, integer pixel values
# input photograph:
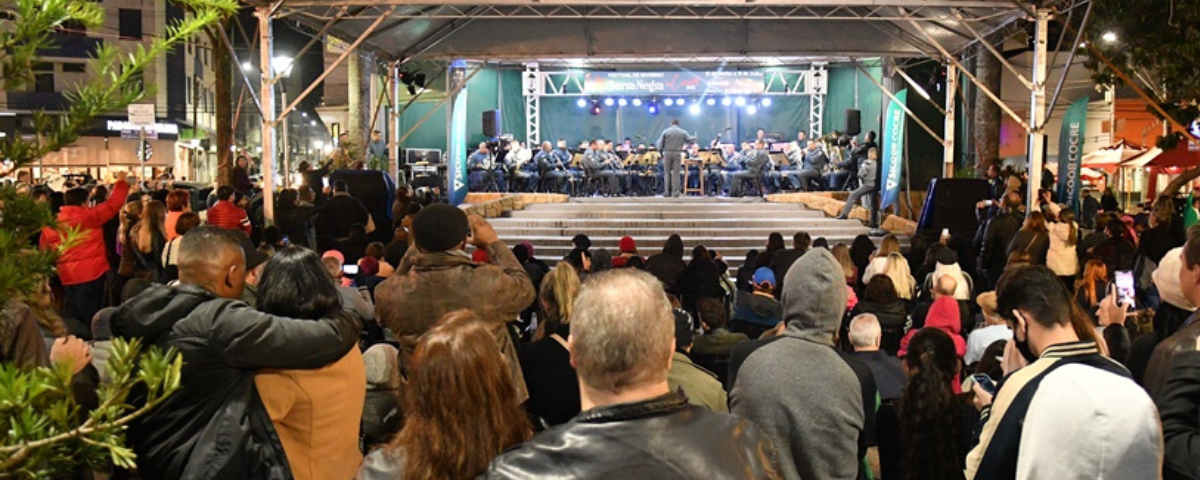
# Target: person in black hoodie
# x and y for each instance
(668, 265)
(215, 426)
(997, 235)
(700, 279)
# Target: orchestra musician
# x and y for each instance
(524, 171)
(482, 171)
(713, 167)
(867, 175)
(795, 156)
(671, 143)
(612, 163)
(849, 168)
(814, 163)
(551, 168)
(593, 165)
(755, 163)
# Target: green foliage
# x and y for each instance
(23, 267)
(115, 79)
(1158, 45)
(49, 433)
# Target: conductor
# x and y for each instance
(672, 143)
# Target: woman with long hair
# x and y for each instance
(293, 219)
(842, 253)
(317, 413)
(896, 268)
(879, 299)
(1062, 258)
(774, 244)
(929, 432)
(461, 407)
(889, 245)
(1090, 289)
(143, 244)
(178, 203)
(546, 363)
(1033, 238)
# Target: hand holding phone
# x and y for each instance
(985, 382)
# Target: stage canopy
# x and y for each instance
(591, 33)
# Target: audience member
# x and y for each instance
(995, 329)
(225, 214)
(627, 249)
(1033, 238)
(545, 362)
(462, 407)
(757, 311)
(621, 343)
(668, 265)
(216, 426)
(1170, 316)
(1116, 251)
(1034, 423)
(818, 432)
(82, 268)
(865, 336)
(896, 268)
(438, 277)
(784, 259)
(295, 221)
(170, 254)
(1091, 288)
(880, 300)
(381, 417)
(716, 340)
(1062, 258)
(700, 279)
(342, 212)
(878, 263)
(178, 202)
(143, 245)
(701, 387)
(1161, 237)
(1185, 338)
(997, 235)
(317, 413)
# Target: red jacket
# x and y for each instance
(86, 261)
(226, 215)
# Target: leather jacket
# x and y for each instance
(660, 438)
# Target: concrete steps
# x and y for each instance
(731, 226)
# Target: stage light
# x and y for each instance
(247, 66)
(741, 101)
(726, 101)
(595, 107)
(670, 102)
(766, 102)
(608, 102)
(653, 106)
(622, 102)
(1109, 37)
(694, 109)
(711, 101)
(582, 103)
(751, 110)
(637, 102)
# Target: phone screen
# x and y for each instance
(985, 382)
(350, 269)
(1125, 291)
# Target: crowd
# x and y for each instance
(312, 352)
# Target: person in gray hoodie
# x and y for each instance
(808, 397)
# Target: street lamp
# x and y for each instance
(281, 66)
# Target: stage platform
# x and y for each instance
(730, 226)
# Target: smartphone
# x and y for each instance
(985, 382)
(350, 269)
(1126, 294)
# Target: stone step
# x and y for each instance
(663, 215)
(662, 232)
(690, 200)
(667, 207)
(573, 226)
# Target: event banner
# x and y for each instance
(674, 83)
(1070, 153)
(456, 123)
(892, 163)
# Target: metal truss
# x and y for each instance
(530, 85)
(817, 83)
(924, 12)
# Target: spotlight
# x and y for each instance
(622, 102)
(595, 107)
(637, 102)
(608, 102)
(711, 101)
(751, 110)
(726, 101)
(740, 101)
(670, 102)
(694, 109)
(766, 102)
(653, 109)
(247, 66)
(1109, 37)
(582, 103)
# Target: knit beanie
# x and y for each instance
(627, 245)
(581, 242)
(440, 227)
(683, 329)
(1166, 278)
(381, 361)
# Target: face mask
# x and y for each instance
(1023, 345)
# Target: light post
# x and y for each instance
(282, 68)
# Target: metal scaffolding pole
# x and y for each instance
(267, 97)
(394, 123)
(1037, 110)
(951, 113)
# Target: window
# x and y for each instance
(74, 67)
(130, 23)
(43, 67)
(73, 27)
(43, 83)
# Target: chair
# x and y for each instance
(758, 186)
(717, 364)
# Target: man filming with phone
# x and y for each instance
(1044, 420)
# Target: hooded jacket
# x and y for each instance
(816, 431)
(87, 260)
(215, 426)
(943, 315)
(668, 265)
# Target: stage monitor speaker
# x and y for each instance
(853, 122)
(951, 204)
(491, 123)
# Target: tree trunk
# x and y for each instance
(1180, 181)
(987, 113)
(222, 72)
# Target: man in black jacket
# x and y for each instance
(999, 232)
(215, 426)
(632, 425)
(783, 259)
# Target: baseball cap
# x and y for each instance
(764, 275)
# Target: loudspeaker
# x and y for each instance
(491, 123)
(951, 204)
(853, 122)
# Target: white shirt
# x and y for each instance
(980, 339)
